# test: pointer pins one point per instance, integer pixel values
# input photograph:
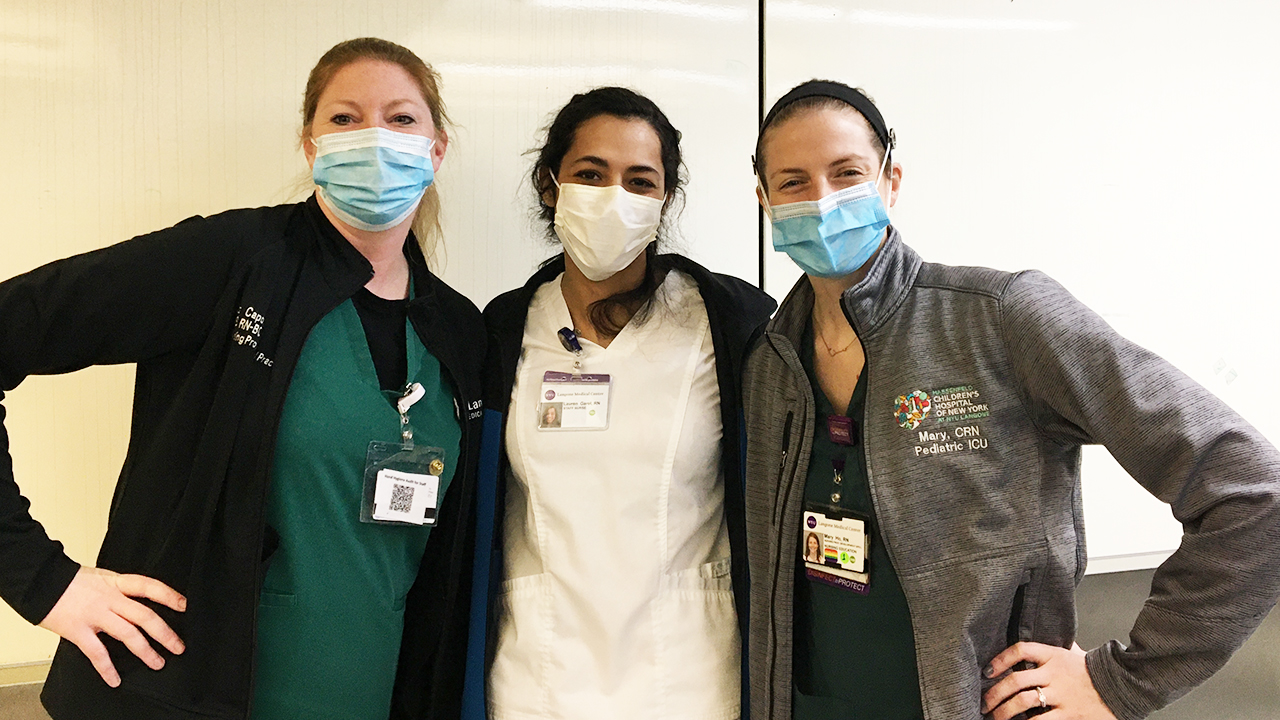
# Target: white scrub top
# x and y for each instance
(617, 600)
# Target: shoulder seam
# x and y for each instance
(995, 290)
(1008, 353)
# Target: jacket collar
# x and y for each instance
(506, 314)
(339, 262)
(869, 303)
(736, 309)
(435, 308)
(504, 319)
(347, 270)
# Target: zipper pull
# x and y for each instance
(786, 441)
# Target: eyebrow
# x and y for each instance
(601, 162)
(388, 104)
(834, 163)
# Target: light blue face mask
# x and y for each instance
(374, 178)
(836, 235)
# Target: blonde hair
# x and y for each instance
(426, 223)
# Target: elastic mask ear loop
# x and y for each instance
(768, 208)
(555, 182)
(883, 162)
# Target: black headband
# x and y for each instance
(841, 92)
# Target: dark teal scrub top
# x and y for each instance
(331, 614)
(854, 655)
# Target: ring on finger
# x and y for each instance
(1040, 694)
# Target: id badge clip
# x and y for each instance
(402, 480)
(576, 400)
(835, 547)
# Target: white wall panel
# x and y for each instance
(698, 62)
(1128, 149)
(129, 116)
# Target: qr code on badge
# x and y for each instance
(401, 498)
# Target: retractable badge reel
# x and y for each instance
(402, 479)
(574, 400)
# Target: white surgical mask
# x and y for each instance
(604, 228)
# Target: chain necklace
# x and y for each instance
(827, 345)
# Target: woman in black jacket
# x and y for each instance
(613, 561)
(292, 522)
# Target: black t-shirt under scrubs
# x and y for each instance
(854, 654)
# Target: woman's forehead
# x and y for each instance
(609, 134)
(819, 131)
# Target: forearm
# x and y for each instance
(34, 570)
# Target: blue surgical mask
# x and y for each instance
(374, 178)
(836, 235)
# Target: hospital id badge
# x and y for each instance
(570, 401)
(834, 546)
(401, 484)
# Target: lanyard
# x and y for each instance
(842, 431)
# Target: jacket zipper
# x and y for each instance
(871, 489)
(779, 506)
(782, 466)
(779, 502)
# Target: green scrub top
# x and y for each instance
(331, 613)
(854, 655)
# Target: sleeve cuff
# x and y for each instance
(1103, 673)
(49, 585)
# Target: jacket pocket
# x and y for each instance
(780, 492)
(995, 641)
(1014, 631)
(277, 599)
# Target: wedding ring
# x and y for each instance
(1040, 692)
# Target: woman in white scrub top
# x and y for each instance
(610, 564)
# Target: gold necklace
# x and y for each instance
(834, 353)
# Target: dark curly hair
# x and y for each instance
(611, 314)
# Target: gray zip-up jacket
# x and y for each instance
(981, 388)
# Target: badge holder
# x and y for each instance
(836, 543)
(576, 400)
(402, 480)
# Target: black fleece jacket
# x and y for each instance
(215, 312)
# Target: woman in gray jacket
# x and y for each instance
(926, 421)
